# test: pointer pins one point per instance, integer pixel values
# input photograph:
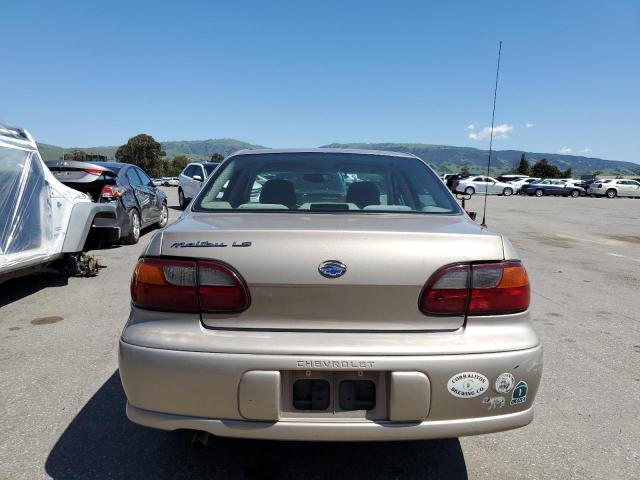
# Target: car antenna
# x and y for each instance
(493, 117)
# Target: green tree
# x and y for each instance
(76, 155)
(566, 173)
(523, 166)
(465, 170)
(544, 169)
(217, 158)
(143, 151)
(179, 162)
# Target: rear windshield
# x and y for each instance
(325, 182)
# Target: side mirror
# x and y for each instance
(197, 177)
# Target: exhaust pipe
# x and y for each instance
(199, 440)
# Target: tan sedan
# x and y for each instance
(329, 295)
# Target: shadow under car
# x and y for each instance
(101, 442)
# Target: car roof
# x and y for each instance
(16, 137)
(353, 151)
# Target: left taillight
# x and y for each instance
(188, 286)
(111, 192)
(477, 289)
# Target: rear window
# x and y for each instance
(325, 182)
(210, 167)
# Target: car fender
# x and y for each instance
(80, 221)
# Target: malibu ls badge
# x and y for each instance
(207, 244)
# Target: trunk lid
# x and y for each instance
(389, 258)
(82, 176)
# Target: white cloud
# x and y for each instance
(585, 151)
(471, 126)
(500, 131)
(528, 125)
(565, 150)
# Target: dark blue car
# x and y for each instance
(551, 186)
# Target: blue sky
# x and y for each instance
(303, 73)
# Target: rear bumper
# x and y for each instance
(216, 392)
(333, 431)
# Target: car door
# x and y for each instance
(479, 183)
(141, 193)
(155, 208)
(493, 185)
(189, 182)
(634, 188)
(198, 178)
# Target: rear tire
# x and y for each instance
(507, 192)
(539, 193)
(181, 200)
(575, 193)
(164, 216)
(134, 228)
(469, 190)
(611, 193)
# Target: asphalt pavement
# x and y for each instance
(62, 405)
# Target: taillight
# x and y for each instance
(447, 291)
(188, 286)
(94, 171)
(111, 193)
(477, 289)
(220, 288)
(165, 285)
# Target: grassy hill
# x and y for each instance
(196, 150)
(444, 158)
(447, 159)
(203, 149)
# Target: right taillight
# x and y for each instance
(188, 286)
(477, 289)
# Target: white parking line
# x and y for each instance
(623, 256)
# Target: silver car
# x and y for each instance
(191, 180)
(332, 295)
(615, 188)
(481, 184)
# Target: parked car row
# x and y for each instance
(507, 185)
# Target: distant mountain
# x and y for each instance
(444, 158)
(203, 149)
(447, 159)
(197, 150)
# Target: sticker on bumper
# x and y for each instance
(467, 384)
(494, 402)
(519, 394)
(504, 383)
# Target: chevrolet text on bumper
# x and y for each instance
(349, 326)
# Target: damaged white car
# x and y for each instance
(41, 220)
